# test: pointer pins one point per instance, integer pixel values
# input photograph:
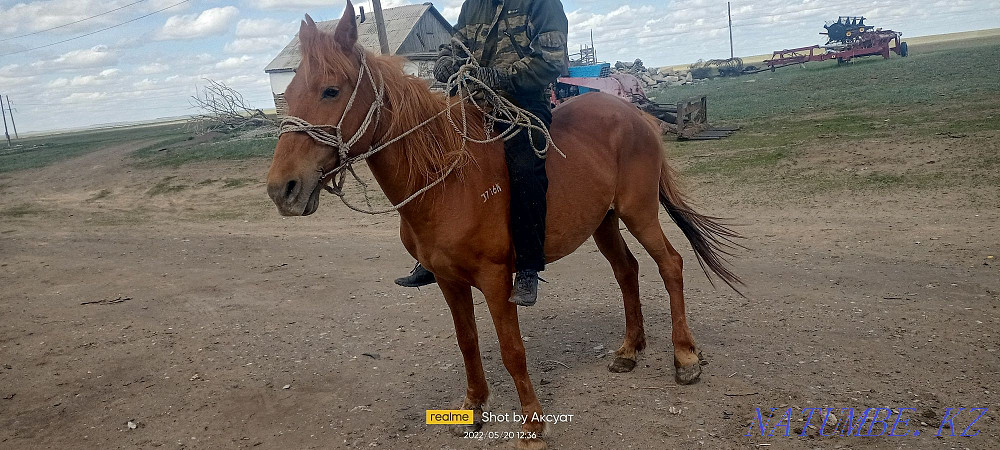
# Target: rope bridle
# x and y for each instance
(503, 111)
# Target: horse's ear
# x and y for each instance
(346, 34)
(308, 32)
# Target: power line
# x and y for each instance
(98, 31)
(72, 23)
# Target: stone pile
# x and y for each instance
(654, 77)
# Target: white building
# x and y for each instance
(414, 31)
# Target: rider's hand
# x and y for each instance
(445, 67)
(495, 79)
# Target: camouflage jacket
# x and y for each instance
(527, 38)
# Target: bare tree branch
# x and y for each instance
(224, 109)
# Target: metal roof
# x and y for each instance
(399, 23)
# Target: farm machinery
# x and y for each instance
(688, 119)
(848, 38)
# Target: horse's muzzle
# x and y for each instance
(294, 197)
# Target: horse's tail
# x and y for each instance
(711, 239)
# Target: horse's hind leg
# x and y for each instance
(626, 268)
(644, 224)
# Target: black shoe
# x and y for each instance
(418, 277)
(525, 288)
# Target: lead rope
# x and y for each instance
(502, 110)
(461, 82)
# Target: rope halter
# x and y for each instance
(335, 137)
(504, 112)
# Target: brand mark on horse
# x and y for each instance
(492, 192)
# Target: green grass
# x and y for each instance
(181, 152)
(793, 119)
(30, 153)
(159, 146)
(919, 83)
(755, 160)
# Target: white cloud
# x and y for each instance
(258, 45)
(84, 97)
(15, 75)
(450, 9)
(234, 62)
(211, 22)
(103, 78)
(144, 84)
(30, 16)
(289, 4)
(33, 16)
(152, 68)
(12, 82)
(259, 28)
(203, 58)
(97, 56)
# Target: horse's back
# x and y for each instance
(603, 117)
(593, 104)
(602, 136)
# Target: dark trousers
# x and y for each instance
(528, 185)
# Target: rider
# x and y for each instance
(521, 48)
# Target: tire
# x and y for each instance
(904, 50)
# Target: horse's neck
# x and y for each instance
(392, 170)
(392, 174)
(399, 181)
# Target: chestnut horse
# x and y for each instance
(615, 169)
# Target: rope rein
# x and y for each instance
(502, 111)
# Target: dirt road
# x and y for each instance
(197, 318)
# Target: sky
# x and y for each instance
(159, 52)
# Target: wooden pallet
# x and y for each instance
(712, 134)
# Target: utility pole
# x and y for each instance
(5, 132)
(732, 54)
(10, 109)
(383, 39)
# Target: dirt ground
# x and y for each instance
(198, 318)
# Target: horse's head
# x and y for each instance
(319, 94)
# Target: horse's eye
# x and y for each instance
(331, 92)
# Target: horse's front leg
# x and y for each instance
(459, 298)
(497, 290)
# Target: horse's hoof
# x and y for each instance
(531, 444)
(461, 430)
(688, 375)
(621, 365)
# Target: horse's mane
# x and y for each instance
(431, 149)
